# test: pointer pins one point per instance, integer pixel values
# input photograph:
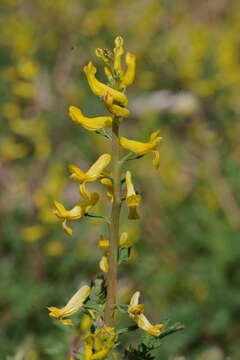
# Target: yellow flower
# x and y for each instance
(132, 200)
(118, 52)
(104, 54)
(135, 311)
(129, 75)
(98, 345)
(101, 89)
(124, 242)
(108, 183)
(73, 305)
(91, 124)
(103, 264)
(75, 213)
(88, 346)
(93, 173)
(115, 109)
(89, 200)
(142, 148)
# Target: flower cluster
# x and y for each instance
(103, 335)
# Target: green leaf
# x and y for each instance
(153, 342)
(122, 308)
(98, 292)
(95, 216)
(128, 329)
(123, 255)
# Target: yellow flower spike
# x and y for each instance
(73, 305)
(108, 183)
(94, 171)
(132, 200)
(75, 213)
(129, 75)
(135, 311)
(118, 52)
(100, 89)
(90, 124)
(115, 109)
(143, 148)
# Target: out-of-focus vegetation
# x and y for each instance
(188, 84)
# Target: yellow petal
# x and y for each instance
(98, 167)
(156, 159)
(132, 200)
(66, 228)
(115, 109)
(103, 243)
(124, 241)
(76, 301)
(145, 325)
(88, 346)
(55, 312)
(118, 52)
(71, 307)
(134, 308)
(67, 322)
(76, 173)
(91, 124)
(93, 173)
(103, 264)
(101, 89)
(104, 54)
(134, 299)
(84, 192)
(141, 148)
(108, 183)
(129, 76)
(129, 184)
(62, 213)
(108, 73)
(155, 135)
(133, 214)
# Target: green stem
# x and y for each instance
(114, 228)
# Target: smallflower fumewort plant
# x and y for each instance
(99, 302)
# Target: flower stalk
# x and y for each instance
(114, 227)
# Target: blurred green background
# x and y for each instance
(187, 253)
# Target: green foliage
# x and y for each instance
(150, 343)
